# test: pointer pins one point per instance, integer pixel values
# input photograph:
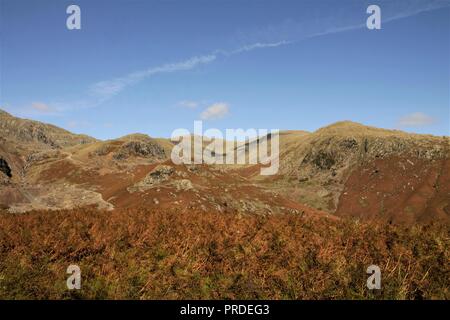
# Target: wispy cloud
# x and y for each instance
(257, 45)
(286, 33)
(215, 111)
(416, 119)
(323, 20)
(413, 7)
(41, 107)
(32, 109)
(105, 90)
(109, 88)
(189, 104)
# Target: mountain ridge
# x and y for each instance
(344, 169)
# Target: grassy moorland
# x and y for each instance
(141, 254)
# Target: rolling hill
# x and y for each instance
(345, 169)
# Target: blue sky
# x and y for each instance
(154, 66)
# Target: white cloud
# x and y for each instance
(189, 104)
(416, 119)
(215, 111)
(41, 107)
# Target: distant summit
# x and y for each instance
(343, 128)
(38, 134)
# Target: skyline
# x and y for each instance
(299, 66)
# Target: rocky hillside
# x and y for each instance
(37, 134)
(345, 169)
(351, 169)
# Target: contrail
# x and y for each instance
(104, 90)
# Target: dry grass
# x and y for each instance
(140, 254)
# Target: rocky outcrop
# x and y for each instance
(316, 169)
(145, 149)
(183, 185)
(160, 174)
(329, 152)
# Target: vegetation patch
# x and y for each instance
(144, 254)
